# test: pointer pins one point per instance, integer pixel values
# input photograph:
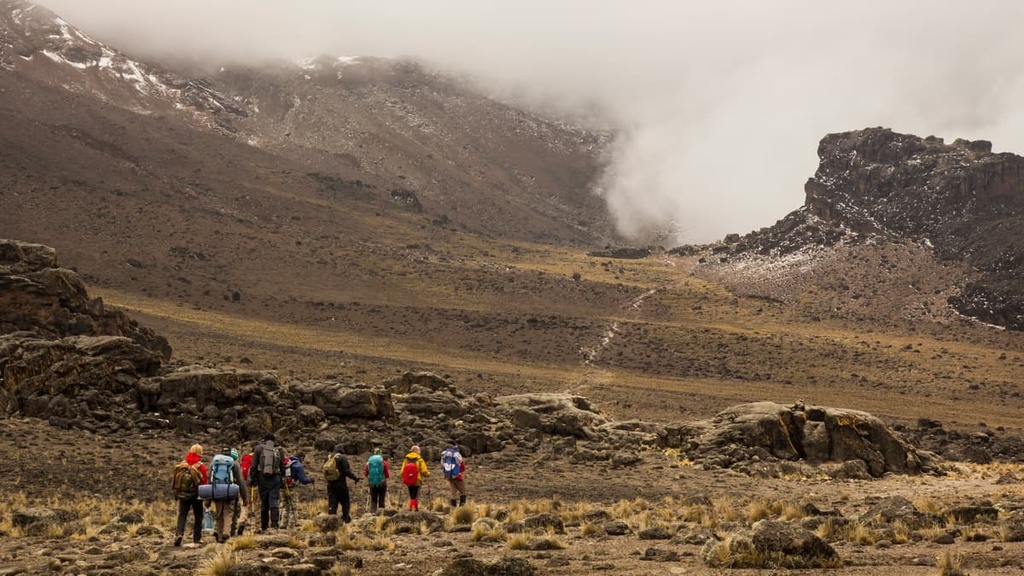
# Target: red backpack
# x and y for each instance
(246, 464)
(410, 473)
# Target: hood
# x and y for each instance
(339, 448)
(412, 455)
(192, 458)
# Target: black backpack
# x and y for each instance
(270, 460)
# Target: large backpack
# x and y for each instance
(185, 481)
(330, 470)
(450, 463)
(410, 473)
(222, 484)
(376, 470)
(270, 460)
(246, 463)
(221, 469)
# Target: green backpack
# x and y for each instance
(185, 481)
(330, 470)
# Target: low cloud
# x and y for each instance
(719, 105)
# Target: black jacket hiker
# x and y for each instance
(337, 490)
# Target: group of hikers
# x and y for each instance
(229, 487)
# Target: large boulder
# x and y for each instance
(200, 386)
(813, 434)
(770, 543)
(552, 413)
(345, 401)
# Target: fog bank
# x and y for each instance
(719, 104)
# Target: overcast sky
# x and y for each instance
(720, 103)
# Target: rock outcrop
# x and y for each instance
(760, 433)
(62, 354)
(960, 200)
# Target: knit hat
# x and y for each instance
(376, 451)
(270, 436)
(415, 449)
(196, 449)
(234, 453)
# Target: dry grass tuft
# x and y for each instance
(244, 542)
(950, 564)
(339, 569)
(929, 505)
(758, 510)
(219, 564)
(487, 533)
(519, 541)
(462, 515)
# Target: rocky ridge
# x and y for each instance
(961, 202)
(79, 367)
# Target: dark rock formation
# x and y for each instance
(55, 342)
(962, 200)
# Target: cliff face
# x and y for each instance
(960, 201)
(878, 181)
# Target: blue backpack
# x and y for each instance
(450, 462)
(222, 480)
(376, 470)
(220, 469)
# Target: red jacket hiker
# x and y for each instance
(192, 458)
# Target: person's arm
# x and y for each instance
(424, 471)
(387, 472)
(346, 470)
(283, 456)
(301, 469)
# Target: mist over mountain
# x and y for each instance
(693, 89)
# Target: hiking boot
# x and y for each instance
(177, 540)
(453, 502)
(216, 537)
(462, 500)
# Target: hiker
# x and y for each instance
(188, 475)
(453, 466)
(377, 474)
(240, 520)
(225, 472)
(240, 514)
(267, 469)
(336, 470)
(414, 471)
(294, 473)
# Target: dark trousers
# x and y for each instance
(337, 493)
(270, 501)
(377, 496)
(196, 506)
